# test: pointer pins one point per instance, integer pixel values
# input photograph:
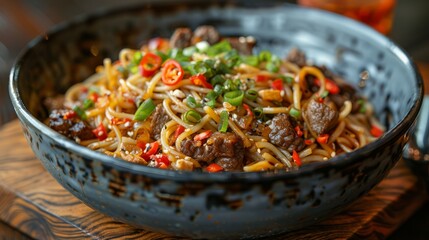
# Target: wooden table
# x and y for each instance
(35, 204)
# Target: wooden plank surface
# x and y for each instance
(35, 204)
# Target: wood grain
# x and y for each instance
(35, 204)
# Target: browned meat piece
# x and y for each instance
(243, 45)
(71, 127)
(321, 118)
(181, 38)
(297, 56)
(282, 134)
(227, 149)
(206, 33)
(159, 119)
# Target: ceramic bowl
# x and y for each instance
(224, 205)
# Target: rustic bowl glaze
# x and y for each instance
(224, 205)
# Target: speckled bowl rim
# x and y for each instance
(337, 162)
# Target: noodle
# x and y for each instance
(215, 109)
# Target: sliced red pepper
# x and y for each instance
(161, 44)
(376, 131)
(213, 167)
(262, 78)
(296, 158)
(201, 80)
(298, 131)
(100, 132)
(93, 96)
(161, 160)
(277, 84)
(149, 64)
(149, 149)
(323, 139)
(202, 136)
(330, 85)
(248, 110)
(179, 130)
(308, 141)
(69, 115)
(118, 121)
(172, 72)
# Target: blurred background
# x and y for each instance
(22, 20)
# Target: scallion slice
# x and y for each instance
(295, 113)
(191, 117)
(145, 110)
(251, 94)
(235, 98)
(223, 125)
(80, 112)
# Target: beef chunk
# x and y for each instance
(282, 133)
(243, 45)
(71, 126)
(181, 38)
(159, 119)
(297, 56)
(206, 33)
(321, 118)
(226, 149)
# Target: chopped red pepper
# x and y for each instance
(248, 110)
(118, 121)
(201, 80)
(93, 96)
(213, 167)
(69, 115)
(376, 131)
(100, 132)
(202, 136)
(161, 44)
(149, 64)
(277, 84)
(179, 130)
(298, 131)
(262, 78)
(308, 141)
(172, 72)
(323, 139)
(330, 85)
(296, 158)
(161, 160)
(149, 149)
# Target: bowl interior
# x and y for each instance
(377, 67)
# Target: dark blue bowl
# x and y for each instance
(226, 204)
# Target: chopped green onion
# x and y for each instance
(259, 113)
(162, 55)
(87, 104)
(251, 94)
(287, 79)
(218, 48)
(145, 110)
(232, 58)
(189, 51)
(324, 94)
(217, 79)
(295, 113)
(223, 125)
(191, 117)
(191, 102)
(80, 112)
(231, 85)
(218, 89)
(272, 67)
(137, 57)
(251, 60)
(235, 98)
(362, 106)
(134, 69)
(202, 46)
(211, 103)
(212, 95)
(265, 56)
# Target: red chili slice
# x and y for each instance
(203, 135)
(248, 110)
(149, 149)
(149, 64)
(298, 131)
(323, 139)
(213, 167)
(161, 160)
(262, 78)
(296, 158)
(376, 131)
(161, 44)
(100, 132)
(330, 85)
(201, 80)
(172, 72)
(277, 84)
